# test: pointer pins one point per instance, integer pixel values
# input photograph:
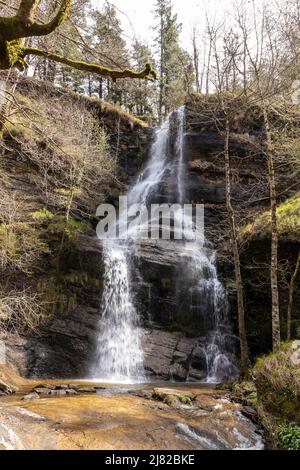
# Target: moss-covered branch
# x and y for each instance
(147, 73)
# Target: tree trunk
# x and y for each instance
(291, 298)
(162, 73)
(100, 88)
(3, 101)
(236, 257)
(274, 234)
(2, 106)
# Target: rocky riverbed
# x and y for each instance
(157, 416)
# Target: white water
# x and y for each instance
(119, 356)
(200, 267)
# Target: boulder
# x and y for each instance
(6, 389)
(31, 396)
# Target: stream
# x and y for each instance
(134, 417)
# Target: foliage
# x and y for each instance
(289, 436)
(70, 228)
(277, 379)
(21, 248)
(288, 221)
(175, 65)
(21, 310)
(245, 392)
(14, 50)
(68, 149)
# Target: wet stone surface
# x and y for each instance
(158, 416)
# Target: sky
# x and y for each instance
(137, 15)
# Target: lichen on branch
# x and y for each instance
(148, 73)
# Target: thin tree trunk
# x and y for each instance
(236, 257)
(90, 85)
(2, 106)
(161, 84)
(100, 88)
(291, 298)
(3, 101)
(274, 235)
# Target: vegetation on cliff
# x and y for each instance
(277, 380)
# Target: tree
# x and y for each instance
(110, 47)
(16, 31)
(172, 59)
(224, 118)
(291, 298)
(139, 95)
(262, 89)
(13, 51)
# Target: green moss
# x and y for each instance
(21, 247)
(70, 228)
(277, 379)
(288, 214)
(186, 400)
(168, 400)
(82, 279)
(55, 298)
(12, 54)
(42, 214)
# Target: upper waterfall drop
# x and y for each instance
(119, 352)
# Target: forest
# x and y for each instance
(193, 346)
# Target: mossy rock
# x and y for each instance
(172, 397)
(245, 393)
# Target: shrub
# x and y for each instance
(277, 379)
(21, 248)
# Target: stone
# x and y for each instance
(71, 391)
(45, 386)
(6, 389)
(87, 390)
(171, 396)
(31, 396)
(42, 391)
(58, 393)
(170, 355)
(61, 387)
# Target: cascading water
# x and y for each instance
(119, 355)
(199, 265)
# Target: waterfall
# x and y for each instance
(199, 265)
(119, 355)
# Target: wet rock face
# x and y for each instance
(173, 355)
